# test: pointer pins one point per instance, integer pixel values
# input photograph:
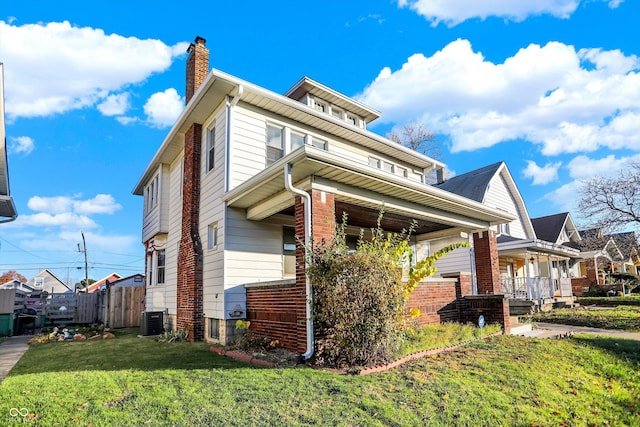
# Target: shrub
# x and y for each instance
(359, 296)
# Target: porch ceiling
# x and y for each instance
(358, 184)
(518, 246)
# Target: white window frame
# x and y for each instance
(160, 268)
(211, 146)
(298, 134)
(320, 143)
(38, 282)
(212, 236)
(374, 162)
(273, 147)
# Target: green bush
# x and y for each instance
(359, 296)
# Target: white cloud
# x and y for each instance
(454, 12)
(101, 204)
(583, 167)
(541, 174)
(564, 100)
(21, 145)
(63, 220)
(67, 212)
(114, 105)
(163, 108)
(56, 67)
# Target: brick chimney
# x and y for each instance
(197, 66)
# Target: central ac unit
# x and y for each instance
(152, 323)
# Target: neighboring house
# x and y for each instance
(627, 243)
(17, 284)
(534, 261)
(245, 170)
(136, 281)
(46, 281)
(101, 284)
(7, 206)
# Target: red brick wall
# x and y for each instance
(494, 308)
(592, 271)
(577, 283)
(487, 268)
(323, 218)
(278, 312)
(189, 290)
(197, 66)
(436, 300)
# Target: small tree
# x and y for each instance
(359, 297)
(10, 275)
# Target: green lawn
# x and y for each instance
(504, 380)
(621, 317)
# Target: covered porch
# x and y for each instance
(535, 270)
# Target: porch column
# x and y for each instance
(487, 267)
(323, 224)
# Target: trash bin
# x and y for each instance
(6, 324)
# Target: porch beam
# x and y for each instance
(371, 199)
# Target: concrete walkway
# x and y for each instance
(550, 330)
(11, 350)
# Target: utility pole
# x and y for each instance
(86, 265)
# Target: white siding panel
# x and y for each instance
(500, 197)
(458, 260)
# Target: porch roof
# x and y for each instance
(510, 245)
(359, 184)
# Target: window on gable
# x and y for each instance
(504, 229)
(320, 106)
(275, 146)
(160, 263)
(211, 147)
(38, 282)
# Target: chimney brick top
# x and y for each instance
(198, 40)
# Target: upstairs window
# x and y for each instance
(337, 113)
(297, 140)
(387, 167)
(38, 282)
(151, 194)
(504, 229)
(320, 106)
(275, 146)
(212, 236)
(319, 143)
(374, 163)
(211, 147)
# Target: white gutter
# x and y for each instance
(307, 240)
(230, 105)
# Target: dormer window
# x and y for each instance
(337, 113)
(351, 119)
(320, 106)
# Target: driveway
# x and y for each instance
(11, 350)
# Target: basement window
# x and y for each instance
(214, 329)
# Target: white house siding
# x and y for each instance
(163, 297)
(498, 196)
(212, 211)
(458, 260)
(151, 219)
(253, 251)
(248, 149)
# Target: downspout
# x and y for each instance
(230, 105)
(307, 239)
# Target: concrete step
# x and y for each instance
(521, 329)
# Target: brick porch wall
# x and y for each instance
(577, 283)
(436, 300)
(494, 308)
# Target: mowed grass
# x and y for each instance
(622, 317)
(501, 381)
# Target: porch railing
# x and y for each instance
(531, 288)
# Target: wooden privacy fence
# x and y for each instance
(116, 307)
(122, 307)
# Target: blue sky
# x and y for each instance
(552, 87)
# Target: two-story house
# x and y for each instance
(245, 170)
